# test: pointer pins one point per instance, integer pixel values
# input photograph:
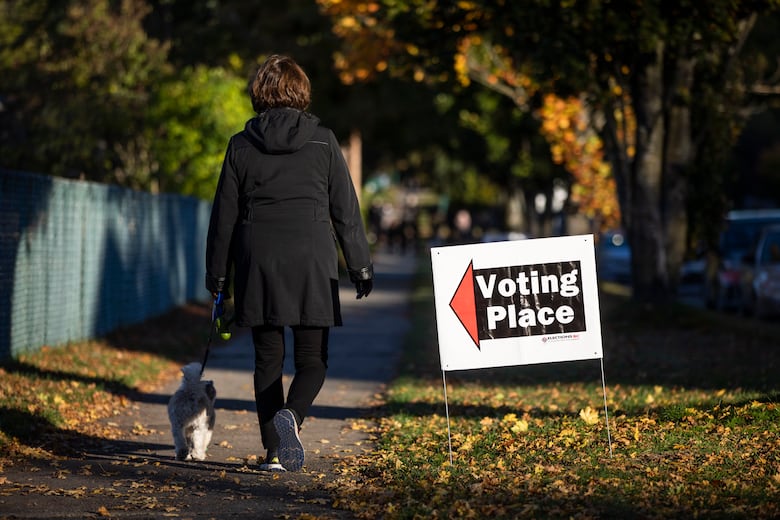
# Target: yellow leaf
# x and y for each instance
(102, 511)
(589, 415)
(520, 426)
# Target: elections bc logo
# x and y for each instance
(520, 301)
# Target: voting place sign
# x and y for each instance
(516, 303)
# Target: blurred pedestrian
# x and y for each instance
(463, 231)
(283, 194)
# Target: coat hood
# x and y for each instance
(281, 130)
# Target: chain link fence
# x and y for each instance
(79, 259)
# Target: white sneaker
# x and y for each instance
(272, 464)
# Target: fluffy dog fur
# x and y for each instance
(191, 411)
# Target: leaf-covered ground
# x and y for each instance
(694, 427)
(692, 396)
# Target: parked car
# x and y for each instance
(722, 284)
(502, 236)
(613, 257)
(760, 281)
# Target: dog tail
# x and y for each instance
(191, 372)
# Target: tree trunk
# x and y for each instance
(646, 232)
(353, 155)
(679, 153)
(617, 151)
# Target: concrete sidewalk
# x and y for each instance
(138, 477)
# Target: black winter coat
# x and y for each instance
(283, 199)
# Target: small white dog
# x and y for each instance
(191, 411)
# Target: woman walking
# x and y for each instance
(283, 200)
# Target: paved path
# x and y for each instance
(138, 477)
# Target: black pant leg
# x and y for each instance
(311, 363)
(269, 391)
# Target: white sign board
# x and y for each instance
(516, 303)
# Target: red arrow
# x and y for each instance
(464, 305)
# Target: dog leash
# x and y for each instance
(217, 323)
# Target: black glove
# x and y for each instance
(363, 280)
(216, 285)
(363, 287)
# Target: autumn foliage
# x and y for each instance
(371, 47)
(371, 44)
(565, 123)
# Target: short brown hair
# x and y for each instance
(280, 82)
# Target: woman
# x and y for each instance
(283, 199)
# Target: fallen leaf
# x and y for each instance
(520, 426)
(589, 415)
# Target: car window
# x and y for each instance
(740, 236)
(770, 253)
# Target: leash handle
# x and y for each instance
(218, 308)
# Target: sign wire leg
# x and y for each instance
(447, 412)
(606, 411)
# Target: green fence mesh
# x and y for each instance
(79, 259)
